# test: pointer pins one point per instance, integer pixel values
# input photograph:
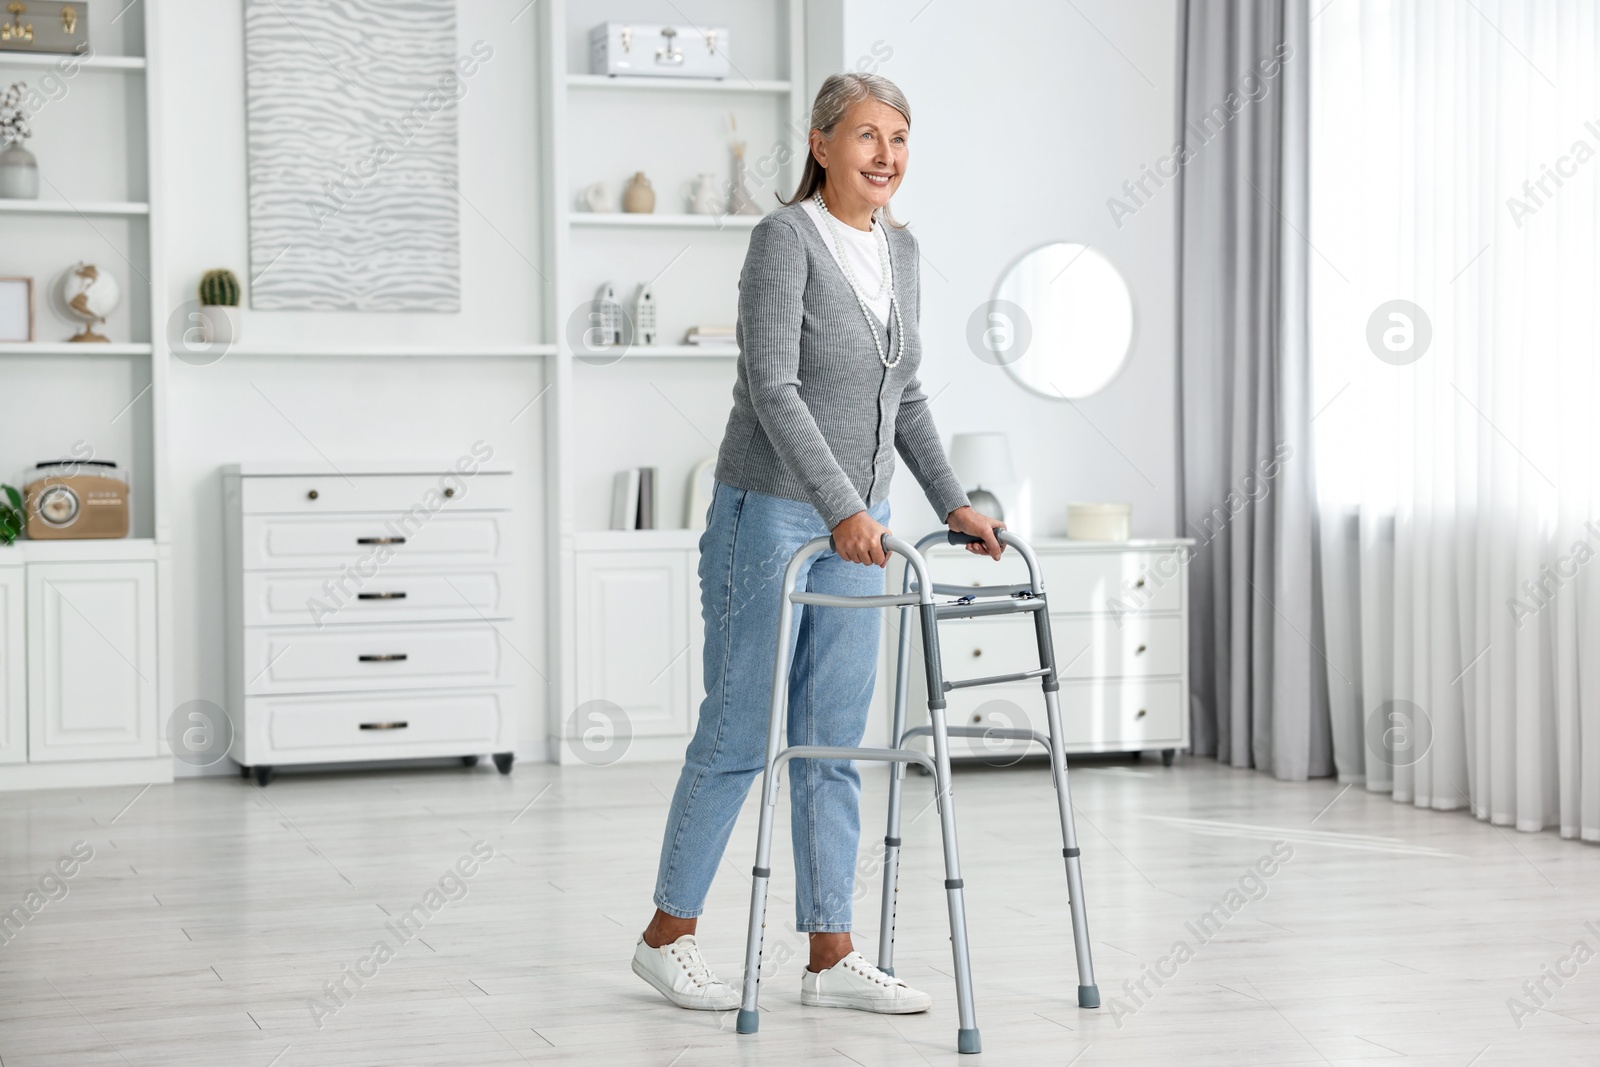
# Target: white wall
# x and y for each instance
(1020, 150)
(315, 409)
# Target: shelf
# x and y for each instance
(100, 550)
(388, 351)
(67, 348)
(65, 207)
(630, 220)
(51, 59)
(665, 352)
(648, 84)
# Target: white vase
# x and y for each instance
(19, 174)
(220, 324)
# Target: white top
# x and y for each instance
(862, 248)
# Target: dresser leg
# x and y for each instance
(1166, 756)
(469, 761)
(263, 774)
(502, 760)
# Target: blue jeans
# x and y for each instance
(748, 540)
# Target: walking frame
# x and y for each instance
(971, 602)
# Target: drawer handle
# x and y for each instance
(977, 652)
(1136, 651)
(312, 495)
(399, 657)
(380, 540)
(449, 491)
(402, 596)
(1139, 584)
(1140, 715)
(384, 725)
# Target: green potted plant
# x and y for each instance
(19, 171)
(12, 517)
(219, 307)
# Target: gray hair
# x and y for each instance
(839, 93)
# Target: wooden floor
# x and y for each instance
(212, 915)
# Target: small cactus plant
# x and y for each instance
(219, 288)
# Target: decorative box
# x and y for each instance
(35, 26)
(658, 50)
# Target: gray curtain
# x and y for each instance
(1259, 676)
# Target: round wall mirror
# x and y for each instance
(1073, 320)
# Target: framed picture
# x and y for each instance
(16, 309)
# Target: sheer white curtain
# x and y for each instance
(1455, 149)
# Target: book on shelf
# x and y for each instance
(633, 499)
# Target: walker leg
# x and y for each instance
(897, 771)
(967, 1039)
(1088, 991)
(749, 1011)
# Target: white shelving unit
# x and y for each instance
(601, 651)
(92, 63)
(677, 85)
(67, 348)
(72, 207)
(665, 221)
(85, 630)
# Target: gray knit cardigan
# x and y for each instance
(816, 416)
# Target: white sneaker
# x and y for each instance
(855, 983)
(680, 975)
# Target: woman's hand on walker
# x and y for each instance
(965, 520)
(859, 539)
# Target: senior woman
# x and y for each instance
(826, 393)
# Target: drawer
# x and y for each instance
(1095, 716)
(367, 541)
(320, 598)
(387, 493)
(1115, 582)
(377, 656)
(1086, 646)
(1077, 581)
(1094, 646)
(972, 648)
(1123, 714)
(353, 726)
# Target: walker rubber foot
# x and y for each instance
(967, 1041)
(888, 971)
(749, 1021)
(1088, 996)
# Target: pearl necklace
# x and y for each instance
(855, 285)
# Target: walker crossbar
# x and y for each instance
(1005, 733)
(962, 610)
(749, 1020)
(995, 679)
(880, 755)
(1031, 598)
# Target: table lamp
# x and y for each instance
(981, 459)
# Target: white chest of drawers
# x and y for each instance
(365, 613)
(1119, 619)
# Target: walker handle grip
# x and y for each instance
(956, 538)
(835, 547)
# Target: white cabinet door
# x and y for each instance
(13, 668)
(92, 661)
(633, 638)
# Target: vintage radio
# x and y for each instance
(73, 499)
